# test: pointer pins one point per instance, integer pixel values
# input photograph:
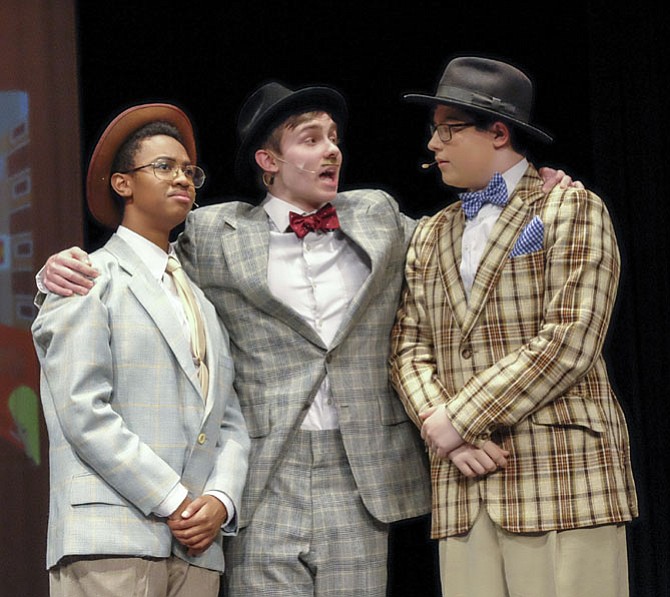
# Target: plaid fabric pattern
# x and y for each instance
(280, 361)
(520, 364)
(126, 417)
(311, 534)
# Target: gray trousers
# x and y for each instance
(311, 535)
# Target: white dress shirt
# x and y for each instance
(317, 276)
(477, 230)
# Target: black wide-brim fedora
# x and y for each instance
(269, 106)
(489, 87)
(99, 194)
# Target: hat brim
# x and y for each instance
(432, 100)
(307, 99)
(99, 194)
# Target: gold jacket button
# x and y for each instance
(202, 438)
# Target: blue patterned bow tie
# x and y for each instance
(495, 193)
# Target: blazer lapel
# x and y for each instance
(246, 245)
(449, 246)
(363, 236)
(154, 301)
(501, 240)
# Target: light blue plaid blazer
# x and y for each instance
(126, 417)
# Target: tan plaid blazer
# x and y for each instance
(520, 364)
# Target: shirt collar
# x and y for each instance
(513, 175)
(150, 254)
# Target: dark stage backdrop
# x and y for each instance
(601, 76)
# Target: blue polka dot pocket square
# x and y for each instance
(530, 240)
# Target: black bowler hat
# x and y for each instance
(489, 87)
(269, 106)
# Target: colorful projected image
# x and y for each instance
(16, 233)
(19, 419)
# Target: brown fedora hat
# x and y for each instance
(489, 87)
(99, 194)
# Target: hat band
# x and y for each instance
(481, 100)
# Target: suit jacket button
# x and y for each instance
(202, 438)
(466, 353)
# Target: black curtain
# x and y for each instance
(601, 74)
(628, 106)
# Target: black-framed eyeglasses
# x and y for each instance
(168, 169)
(445, 131)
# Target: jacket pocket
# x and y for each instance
(571, 411)
(90, 489)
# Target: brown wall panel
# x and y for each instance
(40, 212)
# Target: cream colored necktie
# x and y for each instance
(195, 323)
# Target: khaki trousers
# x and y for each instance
(490, 561)
(131, 577)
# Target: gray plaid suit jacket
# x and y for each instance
(280, 361)
(520, 363)
(126, 417)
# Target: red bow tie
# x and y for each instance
(324, 219)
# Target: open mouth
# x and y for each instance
(329, 173)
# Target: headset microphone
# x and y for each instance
(296, 165)
(426, 166)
